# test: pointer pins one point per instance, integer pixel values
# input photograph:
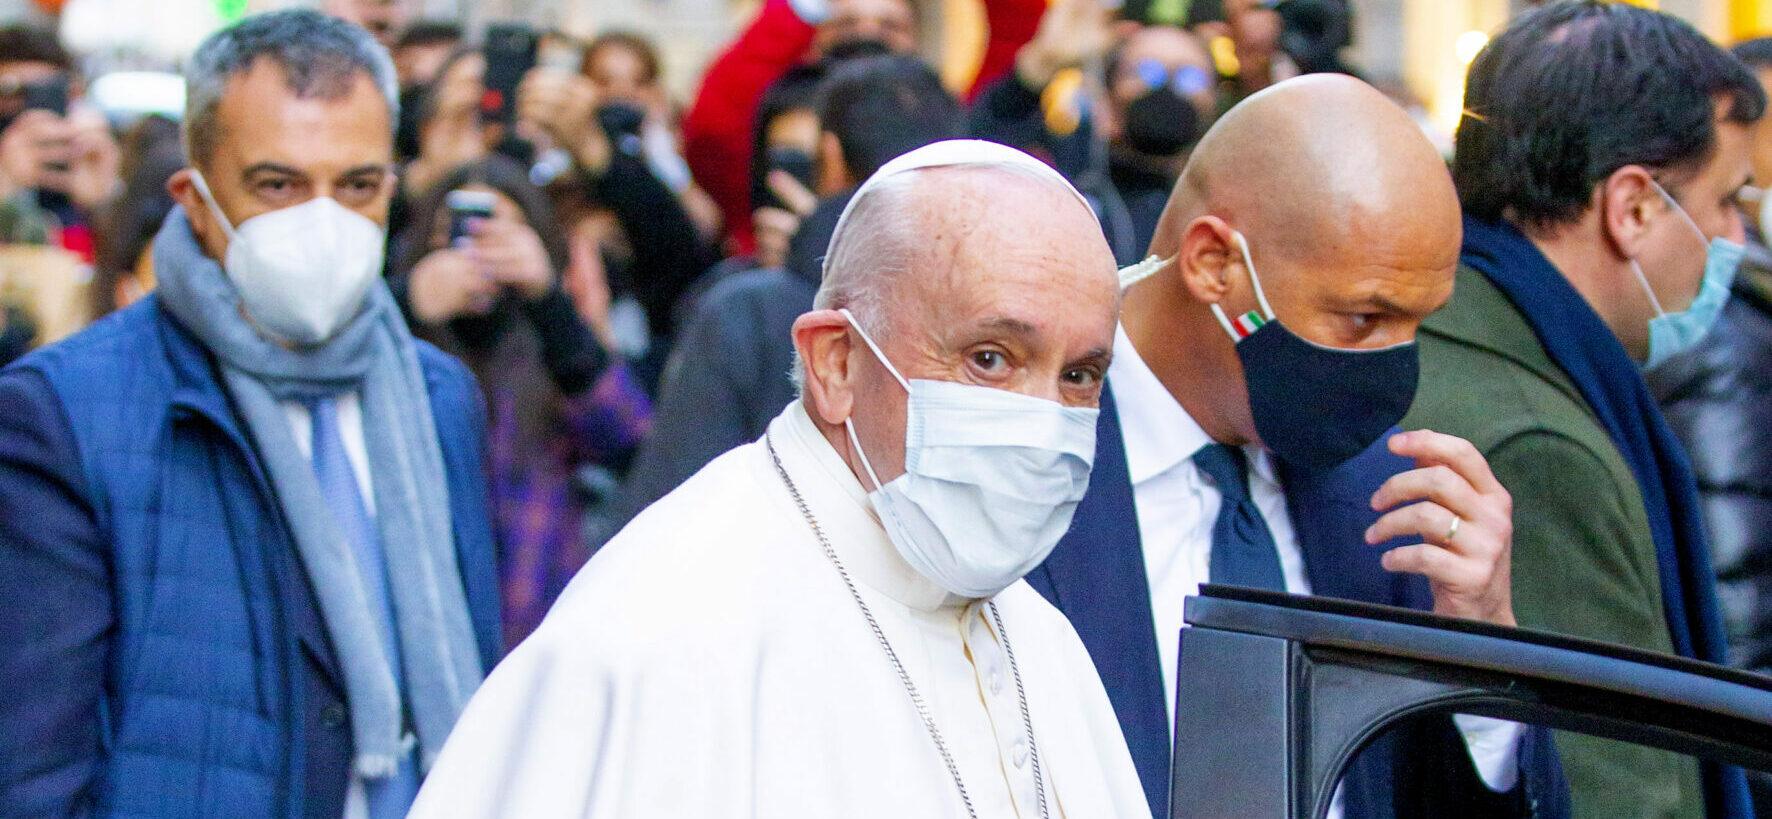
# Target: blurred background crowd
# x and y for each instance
(613, 211)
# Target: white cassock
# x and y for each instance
(709, 662)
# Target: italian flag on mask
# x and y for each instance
(1247, 324)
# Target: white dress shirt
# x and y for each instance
(710, 662)
(1177, 506)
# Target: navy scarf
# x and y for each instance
(1580, 344)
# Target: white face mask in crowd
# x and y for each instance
(991, 480)
(301, 271)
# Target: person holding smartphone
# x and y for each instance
(485, 274)
(59, 163)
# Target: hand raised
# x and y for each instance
(1464, 518)
(447, 284)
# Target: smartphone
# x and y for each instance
(49, 95)
(464, 206)
(620, 119)
(792, 161)
(510, 53)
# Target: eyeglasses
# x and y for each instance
(1185, 80)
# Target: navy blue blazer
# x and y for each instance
(1096, 577)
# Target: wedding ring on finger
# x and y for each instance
(1452, 531)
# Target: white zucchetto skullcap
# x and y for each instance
(976, 153)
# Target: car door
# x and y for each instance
(1284, 690)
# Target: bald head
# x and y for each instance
(989, 273)
(1319, 164)
(1351, 223)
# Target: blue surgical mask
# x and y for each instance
(1673, 333)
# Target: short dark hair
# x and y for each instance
(632, 41)
(1572, 92)
(796, 90)
(880, 107)
(1757, 53)
(429, 33)
(20, 43)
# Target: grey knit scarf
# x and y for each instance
(375, 355)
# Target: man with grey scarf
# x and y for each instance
(246, 565)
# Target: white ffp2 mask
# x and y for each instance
(302, 271)
(991, 480)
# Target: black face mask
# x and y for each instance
(792, 161)
(1161, 123)
(1317, 406)
(855, 48)
(620, 119)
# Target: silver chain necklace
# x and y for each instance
(904, 677)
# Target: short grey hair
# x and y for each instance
(863, 261)
(321, 56)
(867, 255)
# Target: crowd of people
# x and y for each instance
(455, 424)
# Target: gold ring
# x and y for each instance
(1452, 531)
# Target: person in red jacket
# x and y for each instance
(717, 132)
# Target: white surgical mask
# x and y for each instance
(991, 480)
(301, 271)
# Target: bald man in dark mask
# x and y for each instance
(1248, 434)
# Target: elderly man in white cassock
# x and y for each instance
(831, 621)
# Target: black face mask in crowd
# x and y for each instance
(1317, 406)
(792, 161)
(1161, 123)
(621, 119)
(855, 48)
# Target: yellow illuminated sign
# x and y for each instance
(1750, 18)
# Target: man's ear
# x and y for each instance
(833, 171)
(1207, 255)
(1628, 203)
(822, 339)
(183, 188)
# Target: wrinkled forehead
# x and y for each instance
(976, 244)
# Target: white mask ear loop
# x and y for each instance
(848, 425)
(1673, 204)
(875, 348)
(1644, 281)
(1139, 271)
(1254, 280)
(202, 186)
(862, 454)
(1681, 210)
(1260, 296)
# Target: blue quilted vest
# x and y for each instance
(207, 704)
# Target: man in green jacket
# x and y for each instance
(1598, 162)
